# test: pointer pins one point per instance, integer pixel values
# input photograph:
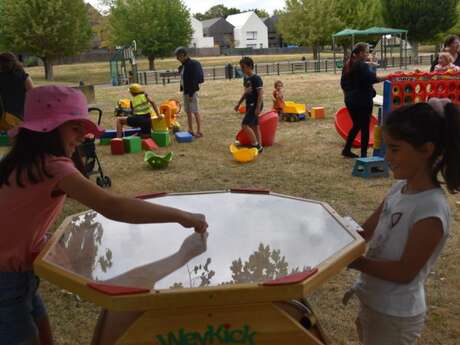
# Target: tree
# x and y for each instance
(309, 23)
(357, 14)
(261, 13)
(423, 19)
(157, 26)
(45, 28)
(217, 11)
(455, 30)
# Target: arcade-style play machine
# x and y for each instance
(243, 282)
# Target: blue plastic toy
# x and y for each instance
(183, 137)
(370, 167)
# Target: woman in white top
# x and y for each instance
(409, 229)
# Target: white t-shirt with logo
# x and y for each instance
(400, 212)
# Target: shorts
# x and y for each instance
(20, 306)
(375, 328)
(250, 118)
(191, 105)
(142, 121)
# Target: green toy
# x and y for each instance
(161, 138)
(105, 141)
(158, 161)
(132, 144)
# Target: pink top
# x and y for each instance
(447, 68)
(27, 213)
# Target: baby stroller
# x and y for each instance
(88, 153)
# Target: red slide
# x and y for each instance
(268, 123)
(343, 125)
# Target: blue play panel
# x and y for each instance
(183, 137)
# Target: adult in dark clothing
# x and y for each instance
(14, 83)
(191, 78)
(357, 84)
(451, 45)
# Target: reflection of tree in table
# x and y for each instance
(263, 264)
(81, 241)
(199, 276)
(202, 273)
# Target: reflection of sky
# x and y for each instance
(304, 232)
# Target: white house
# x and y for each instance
(250, 31)
(198, 40)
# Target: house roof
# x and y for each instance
(216, 26)
(270, 22)
(238, 20)
(210, 22)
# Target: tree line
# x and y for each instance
(50, 29)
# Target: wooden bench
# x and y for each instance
(165, 76)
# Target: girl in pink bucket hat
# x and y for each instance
(36, 175)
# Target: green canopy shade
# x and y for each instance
(371, 31)
(346, 32)
(381, 31)
(375, 30)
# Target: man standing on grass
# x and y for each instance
(190, 80)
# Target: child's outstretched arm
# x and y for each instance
(155, 108)
(423, 239)
(124, 209)
(145, 276)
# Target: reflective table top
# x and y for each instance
(251, 238)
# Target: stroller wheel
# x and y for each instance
(103, 181)
(100, 181)
(107, 181)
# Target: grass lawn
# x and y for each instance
(304, 162)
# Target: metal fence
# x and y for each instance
(276, 68)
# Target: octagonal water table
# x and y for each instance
(243, 282)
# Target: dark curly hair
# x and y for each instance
(9, 63)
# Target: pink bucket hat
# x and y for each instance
(48, 107)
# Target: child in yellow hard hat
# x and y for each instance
(142, 109)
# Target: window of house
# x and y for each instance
(251, 35)
(251, 46)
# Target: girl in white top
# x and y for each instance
(408, 230)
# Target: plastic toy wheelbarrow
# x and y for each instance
(158, 161)
(243, 154)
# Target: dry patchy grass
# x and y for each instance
(304, 162)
